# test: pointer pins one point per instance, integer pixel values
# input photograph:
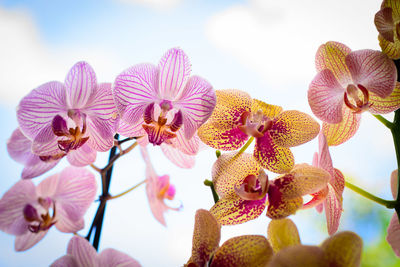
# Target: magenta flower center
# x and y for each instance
(42, 217)
(254, 124)
(356, 98)
(253, 187)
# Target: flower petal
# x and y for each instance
(374, 70)
(385, 105)
(343, 249)
(231, 209)
(82, 156)
(293, 128)
(339, 133)
(175, 69)
(28, 240)
(393, 234)
(134, 89)
(188, 146)
(279, 208)
(82, 251)
(326, 97)
(332, 56)
(177, 157)
(384, 23)
(101, 134)
(245, 250)
(299, 256)
(80, 83)
(394, 183)
(333, 210)
(324, 157)
(271, 156)
(66, 260)
(282, 233)
(206, 237)
(37, 110)
(392, 50)
(271, 111)
(196, 103)
(45, 143)
(114, 258)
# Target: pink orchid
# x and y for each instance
(393, 231)
(164, 103)
(158, 189)
(80, 253)
(28, 211)
(349, 83)
(329, 197)
(61, 119)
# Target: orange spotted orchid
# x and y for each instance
(244, 188)
(349, 83)
(237, 116)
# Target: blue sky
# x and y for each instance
(266, 49)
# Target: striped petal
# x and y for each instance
(299, 256)
(343, 249)
(188, 146)
(231, 209)
(66, 260)
(83, 252)
(114, 258)
(101, 133)
(271, 156)
(293, 128)
(384, 23)
(175, 69)
(374, 70)
(394, 5)
(325, 97)
(37, 110)
(206, 237)
(80, 83)
(332, 56)
(282, 234)
(339, 133)
(393, 234)
(134, 89)
(196, 103)
(28, 240)
(177, 157)
(129, 130)
(385, 105)
(333, 210)
(245, 250)
(82, 156)
(392, 50)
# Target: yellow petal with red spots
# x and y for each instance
(280, 208)
(271, 111)
(300, 256)
(245, 250)
(293, 128)
(206, 237)
(385, 105)
(343, 249)
(227, 140)
(282, 233)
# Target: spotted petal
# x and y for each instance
(385, 105)
(245, 250)
(282, 233)
(271, 111)
(227, 140)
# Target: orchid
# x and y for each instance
(329, 198)
(19, 149)
(244, 187)
(158, 188)
(245, 250)
(164, 103)
(349, 83)
(393, 231)
(237, 116)
(80, 253)
(387, 23)
(76, 118)
(28, 211)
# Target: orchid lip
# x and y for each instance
(254, 124)
(41, 222)
(253, 187)
(352, 98)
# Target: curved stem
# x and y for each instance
(384, 121)
(243, 149)
(127, 191)
(390, 204)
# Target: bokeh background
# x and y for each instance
(266, 48)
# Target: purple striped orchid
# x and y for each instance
(349, 83)
(80, 253)
(164, 103)
(78, 117)
(28, 211)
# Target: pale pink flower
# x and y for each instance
(28, 211)
(164, 103)
(80, 253)
(60, 118)
(393, 236)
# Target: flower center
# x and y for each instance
(254, 124)
(159, 131)
(253, 187)
(357, 98)
(40, 221)
(165, 189)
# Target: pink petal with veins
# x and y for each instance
(28, 240)
(67, 260)
(129, 130)
(114, 258)
(187, 146)
(82, 156)
(83, 252)
(177, 157)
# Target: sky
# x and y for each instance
(265, 48)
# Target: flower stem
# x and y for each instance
(384, 121)
(243, 149)
(214, 193)
(127, 191)
(396, 140)
(390, 204)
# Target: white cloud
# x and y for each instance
(156, 4)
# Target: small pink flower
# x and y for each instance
(80, 253)
(28, 211)
(158, 189)
(393, 231)
(61, 118)
(164, 103)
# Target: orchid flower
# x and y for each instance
(341, 249)
(61, 119)
(237, 116)
(387, 23)
(244, 188)
(393, 231)
(349, 83)
(245, 250)
(329, 197)
(164, 103)
(158, 188)
(19, 149)
(80, 253)
(28, 211)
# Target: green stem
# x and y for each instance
(390, 204)
(214, 193)
(384, 121)
(396, 140)
(243, 149)
(127, 191)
